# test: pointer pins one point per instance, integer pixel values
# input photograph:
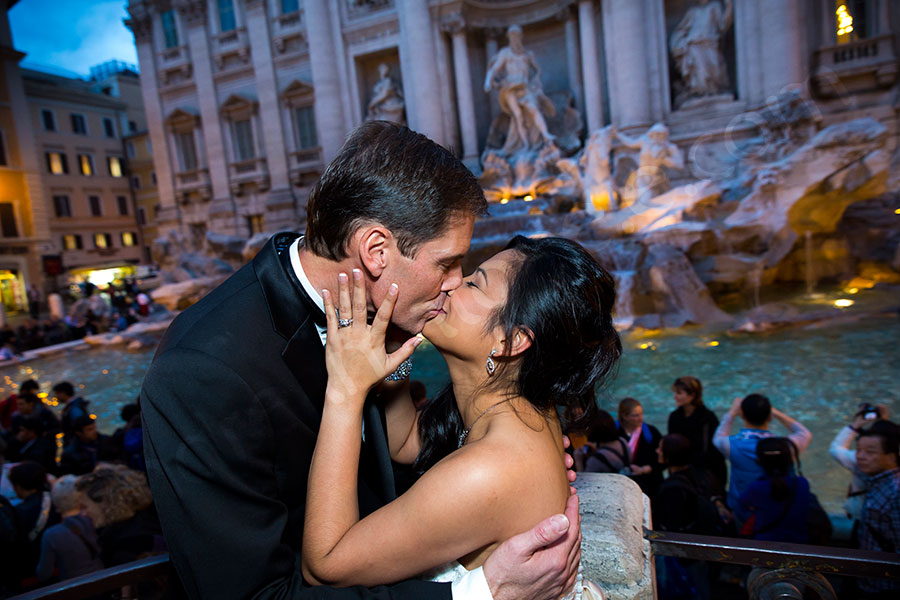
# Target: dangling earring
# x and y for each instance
(490, 365)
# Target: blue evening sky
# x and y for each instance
(68, 37)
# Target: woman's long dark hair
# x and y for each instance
(561, 295)
(776, 457)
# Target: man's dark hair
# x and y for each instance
(29, 386)
(81, 422)
(29, 398)
(888, 433)
(32, 423)
(605, 429)
(756, 409)
(386, 173)
(676, 450)
(28, 475)
(65, 387)
(129, 411)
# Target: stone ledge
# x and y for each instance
(615, 554)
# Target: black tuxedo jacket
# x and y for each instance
(231, 407)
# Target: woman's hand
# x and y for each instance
(355, 354)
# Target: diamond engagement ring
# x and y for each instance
(344, 323)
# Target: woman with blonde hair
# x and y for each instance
(692, 419)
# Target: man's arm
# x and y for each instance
(723, 431)
(800, 435)
(210, 454)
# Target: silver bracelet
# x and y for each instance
(402, 371)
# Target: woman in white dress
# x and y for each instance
(528, 333)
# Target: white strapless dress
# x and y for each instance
(453, 572)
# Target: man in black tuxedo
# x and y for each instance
(233, 399)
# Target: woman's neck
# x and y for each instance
(475, 399)
(629, 429)
(689, 409)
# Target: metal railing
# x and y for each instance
(99, 582)
(782, 567)
(781, 570)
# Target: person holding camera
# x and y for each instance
(842, 451)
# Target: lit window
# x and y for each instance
(57, 163)
(115, 166)
(72, 242)
(102, 240)
(128, 239)
(86, 164)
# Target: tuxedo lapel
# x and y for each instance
(379, 454)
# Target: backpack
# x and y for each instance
(707, 520)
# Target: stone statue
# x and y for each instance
(696, 48)
(597, 181)
(387, 100)
(655, 153)
(516, 76)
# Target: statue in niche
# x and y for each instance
(655, 153)
(516, 76)
(387, 100)
(597, 182)
(696, 49)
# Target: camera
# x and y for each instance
(868, 411)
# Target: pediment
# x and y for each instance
(297, 91)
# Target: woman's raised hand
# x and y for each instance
(355, 353)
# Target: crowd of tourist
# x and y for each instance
(114, 308)
(80, 500)
(766, 496)
(75, 500)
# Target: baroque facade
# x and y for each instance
(247, 100)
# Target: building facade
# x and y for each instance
(142, 178)
(246, 100)
(78, 130)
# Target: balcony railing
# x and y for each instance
(856, 65)
(253, 171)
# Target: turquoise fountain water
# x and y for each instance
(817, 376)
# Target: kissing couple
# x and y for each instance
(276, 407)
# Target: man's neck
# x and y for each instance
(323, 272)
(675, 469)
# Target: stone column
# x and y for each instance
(167, 215)
(421, 82)
(750, 87)
(624, 31)
(328, 107)
(270, 111)
(222, 214)
(573, 56)
(456, 27)
(590, 65)
(783, 51)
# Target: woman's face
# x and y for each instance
(459, 329)
(634, 419)
(682, 398)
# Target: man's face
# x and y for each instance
(24, 407)
(871, 457)
(425, 279)
(88, 433)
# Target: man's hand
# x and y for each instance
(569, 462)
(538, 564)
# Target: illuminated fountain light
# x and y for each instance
(528, 198)
(843, 302)
(713, 343)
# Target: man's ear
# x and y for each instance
(373, 243)
(520, 342)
